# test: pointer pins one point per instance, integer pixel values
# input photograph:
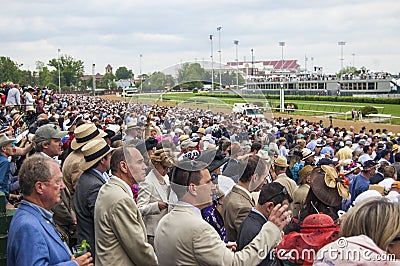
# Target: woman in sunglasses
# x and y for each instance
(153, 192)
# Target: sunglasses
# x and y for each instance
(166, 168)
(214, 178)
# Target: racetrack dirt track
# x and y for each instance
(336, 122)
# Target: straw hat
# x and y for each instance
(5, 140)
(93, 152)
(281, 161)
(201, 130)
(85, 133)
(16, 117)
(304, 173)
(306, 153)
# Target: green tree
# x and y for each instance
(191, 72)
(123, 73)
(71, 70)
(107, 81)
(43, 75)
(9, 70)
(158, 81)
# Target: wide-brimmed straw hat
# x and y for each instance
(304, 173)
(93, 152)
(306, 153)
(281, 161)
(85, 133)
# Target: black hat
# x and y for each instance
(325, 161)
(110, 133)
(219, 160)
(150, 143)
(369, 165)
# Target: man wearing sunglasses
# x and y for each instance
(184, 238)
(270, 196)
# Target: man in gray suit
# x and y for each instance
(120, 232)
(184, 238)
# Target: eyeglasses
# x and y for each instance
(214, 178)
(284, 192)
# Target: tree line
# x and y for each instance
(70, 72)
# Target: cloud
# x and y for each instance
(168, 32)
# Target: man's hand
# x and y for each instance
(231, 245)
(84, 260)
(280, 216)
(162, 205)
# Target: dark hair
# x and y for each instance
(256, 146)
(117, 156)
(253, 165)
(366, 148)
(35, 168)
(384, 153)
(273, 192)
(397, 157)
(185, 173)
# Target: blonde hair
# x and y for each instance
(379, 219)
(165, 157)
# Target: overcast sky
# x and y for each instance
(168, 32)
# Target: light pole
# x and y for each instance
(341, 44)
(312, 65)
(282, 44)
(353, 54)
(236, 42)
(252, 62)
(212, 64)
(140, 73)
(94, 78)
(305, 63)
(59, 71)
(220, 60)
(282, 92)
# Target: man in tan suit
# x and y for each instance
(71, 168)
(119, 229)
(184, 238)
(280, 165)
(238, 202)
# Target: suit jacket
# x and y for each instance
(64, 215)
(120, 232)
(150, 193)
(32, 240)
(184, 238)
(72, 171)
(249, 230)
(285, 181)
(299, 199)
(87, 188)
(236, 207)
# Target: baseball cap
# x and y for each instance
(49, 131)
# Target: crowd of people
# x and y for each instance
(144, 184)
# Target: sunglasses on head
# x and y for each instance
(214, 178)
